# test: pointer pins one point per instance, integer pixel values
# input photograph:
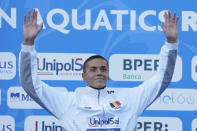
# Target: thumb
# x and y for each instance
(40, 28)
(162, 26)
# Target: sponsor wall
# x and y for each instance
(127, 33)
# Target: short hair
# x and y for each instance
(92, 58)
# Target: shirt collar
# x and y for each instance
(92, 91)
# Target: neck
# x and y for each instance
(97, 88)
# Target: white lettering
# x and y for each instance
(64, 23)
(189, 19)
(132, 20)
(161, 18)
(142, 18)
(10, 20)
(119, 14)
(39, 18)
(102, 20)
(87, 20)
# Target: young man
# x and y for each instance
(96, 107)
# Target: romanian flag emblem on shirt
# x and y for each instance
(115, 104)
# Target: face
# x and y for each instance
(96, 73)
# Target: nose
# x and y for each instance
(98, 71)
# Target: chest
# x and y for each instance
(102, 112)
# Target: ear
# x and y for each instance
(84, 76)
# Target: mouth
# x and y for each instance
(99, 79)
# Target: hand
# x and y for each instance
(171, 27)
(30, 30)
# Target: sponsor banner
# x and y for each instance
(194, 125)
(176, 99)
(159, 124)
(42, 123)
(7, 123)
(17, 98)
(138, 67)
(7, 65)
(61, 66)
(194, 68)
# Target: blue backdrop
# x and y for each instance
(80, 28)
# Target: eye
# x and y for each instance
(103, 69)
(93, 69)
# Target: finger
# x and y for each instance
(165, 14)
(32, 16)
(35, 17)
(28, 16)
(174, 16)
(40, 28)
(162, 25)
(163, 28)
(34, 13)
(177, 19)
(24, 21)
(169, 15)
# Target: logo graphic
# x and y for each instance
(159, 124)
(176, 99)
(42, 123)
(19, 99)
(7, 65)
(52, 126)
(15, 96)
(110, 91)
(60, 66)
(115, 104)
(7, 123)
(140, 67)
(97, 123)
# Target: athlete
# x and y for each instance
(96, 107)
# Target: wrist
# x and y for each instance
(28, 42)
(171, 41)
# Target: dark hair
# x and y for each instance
(92, 58)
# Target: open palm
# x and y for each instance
(171, 27)
(30, 29)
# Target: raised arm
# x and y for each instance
(168, 55)
(54, 101)
(150, 89)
